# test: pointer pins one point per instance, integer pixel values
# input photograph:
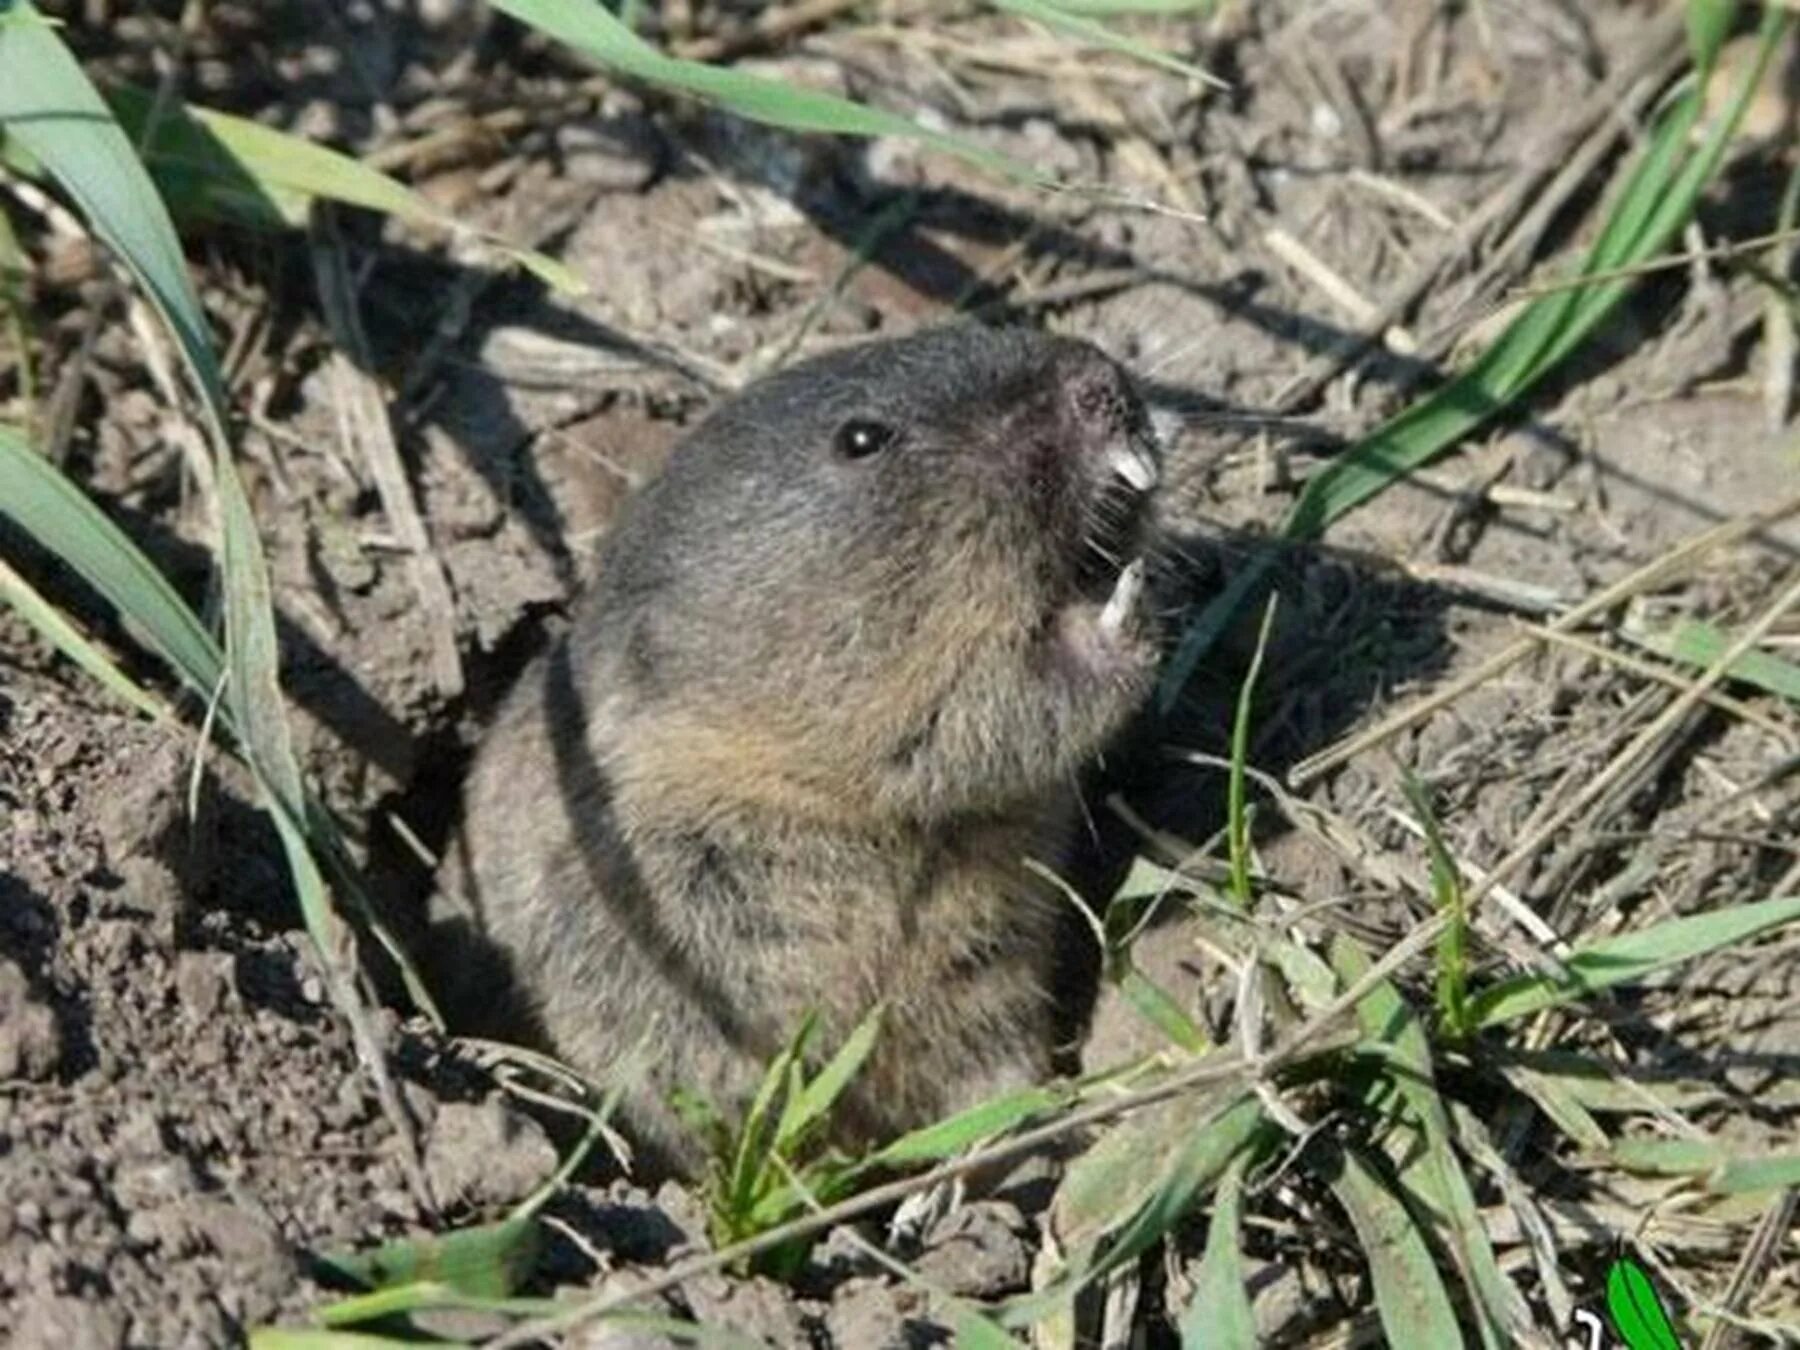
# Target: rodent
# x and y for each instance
(842, 664)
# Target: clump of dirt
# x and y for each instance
(184, 1125)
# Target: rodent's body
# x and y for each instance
(843, 663)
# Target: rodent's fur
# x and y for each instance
(806, 728)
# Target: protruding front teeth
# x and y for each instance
(1124, 598)
(1132, 462)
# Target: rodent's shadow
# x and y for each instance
(1343, 632)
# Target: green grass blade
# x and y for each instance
(1447, 890)
(63, 520)
(1737, 1176)
(1629, 957)
(1434, 1171)
(311, 1338)
(31, 606)
(1562, 1107)
(1128, 7)
(213, 164)
(1711, 1159)
(425, 1296)
(1237, 815)
(812, 1103)
(749, 1173)
(1669, 1157)
(485, 1262)
(1708, 24)
(1636, 1311)
(1219, 1317)
(48, 105)
(595, 31)
(1698, 644)
(253, 690)
(1159, 1008)
(1411, 1300)
(1084, 28)
(950, 1136)
(1109, 1217)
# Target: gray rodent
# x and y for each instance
(843, 662)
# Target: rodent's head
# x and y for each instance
(903, 578)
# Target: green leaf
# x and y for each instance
(1409, 1297)
(1446, 887)
(1135, 1185)
(1636, 1311)
(1219, 1316)
(1158, 1007)
(1724, 1173)
(1709, 23)
(1668, 1157)
(486, 1262)
(1066, 19)
(813, 1102)
(1564, 1108)
(1237, 815)
(1628, 957)
(595, 31)
(952, 1135)
(49, 106)
(54, 512)
(24, 598)
(1736, 1176)
(1433, 1171)
(1701, 645)
(211, 163)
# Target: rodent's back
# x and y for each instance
(841, 666)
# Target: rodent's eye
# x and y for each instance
(859, 438)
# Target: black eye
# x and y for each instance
(861, 438)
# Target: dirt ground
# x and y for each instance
(183, 1120)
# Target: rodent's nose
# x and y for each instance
(1098, 399)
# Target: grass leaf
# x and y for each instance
(1409, 1297)
(952, 1135)
(25, 600)
(1134, 1186)
(1434, 1171)
(1698, 644)
(1159, 1008)
(1446, 887)
(1237, 815)
(813, 1102)
(211, 163)
(64, 521)
(1068, 20)
(1736, 1176)
(48, 105)
(1628, 957)
(595, 31)
(1636, 1311)
(485, 1262)
(1219, 1316)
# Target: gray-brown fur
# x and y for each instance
(805, 729)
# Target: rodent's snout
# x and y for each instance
(1108, 422)
(1109, 429)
